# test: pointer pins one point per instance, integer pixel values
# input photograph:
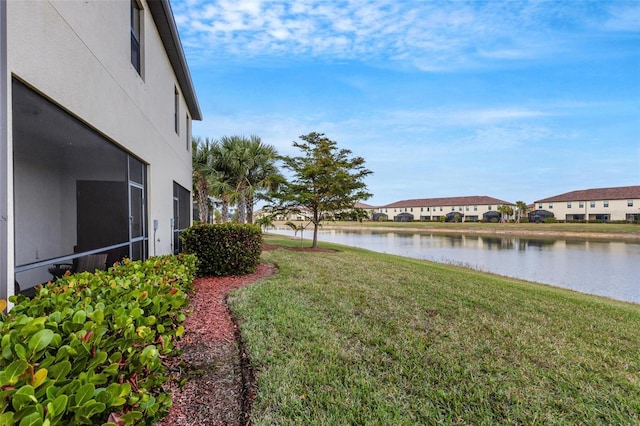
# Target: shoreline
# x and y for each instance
(492, 232)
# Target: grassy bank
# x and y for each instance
(590, 230)
(356, 337)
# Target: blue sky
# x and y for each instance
(516, 100)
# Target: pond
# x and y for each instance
(609, 268)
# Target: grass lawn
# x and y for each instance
(357, 337)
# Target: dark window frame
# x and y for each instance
(136, 36)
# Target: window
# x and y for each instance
(539, 206)
(187, 131)
(581, 204)
(421, 208)
(605, 203)
(550, 205)
(467, 208)
(569, 205)
(592, 204)
(440, 208)
(176, 110)
(489, 208)
(135, 36)
(629, 203)
(181, 214)
(475, 208)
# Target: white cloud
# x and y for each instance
(463, 117)
(429, 35)
(624, 16)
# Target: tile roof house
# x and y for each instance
(95, 135)
(620, 203)
(469, 208)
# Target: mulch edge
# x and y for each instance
(247, 378)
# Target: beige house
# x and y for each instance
(603, 204)
(470, 209)
(95, 135)
(369, 209)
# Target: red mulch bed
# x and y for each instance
(215, 393)
(219, 384)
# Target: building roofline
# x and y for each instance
(611, 193)
(447, 201)
(166, 25)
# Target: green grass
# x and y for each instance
(626, 229)
(356, 337)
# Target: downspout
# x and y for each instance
(6, 169)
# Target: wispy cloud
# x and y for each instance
(464, 117)
(427, 35)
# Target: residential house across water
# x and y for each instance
(602, 204)
(462, 209)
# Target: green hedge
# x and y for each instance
(94, 348)
(227, 249)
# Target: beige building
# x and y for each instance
(95, 134)
(369, 209)
(602, 204)
(470, 209)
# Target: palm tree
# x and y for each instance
(506, 211)
(262, 173)
(223, 181)
(233, 159)
(201, 174)
(222, 188)
(265, 222)
(249, 167)
(522, 209)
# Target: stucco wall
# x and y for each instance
(617, 209)
(436, 212)
(78, 55)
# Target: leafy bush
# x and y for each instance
(93, 348)
(227, 249)
(524, 220)
(550, 220)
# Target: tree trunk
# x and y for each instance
(224, 210)
(242, 207)
(249, 208)
(203, 202)
(315, 230)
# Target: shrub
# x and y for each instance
(92, 348)
(227, 249)
(524, 220)
(550, 220)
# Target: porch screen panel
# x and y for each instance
(71, 192)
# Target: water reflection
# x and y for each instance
(608, 268)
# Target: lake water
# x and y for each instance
(608, 268)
